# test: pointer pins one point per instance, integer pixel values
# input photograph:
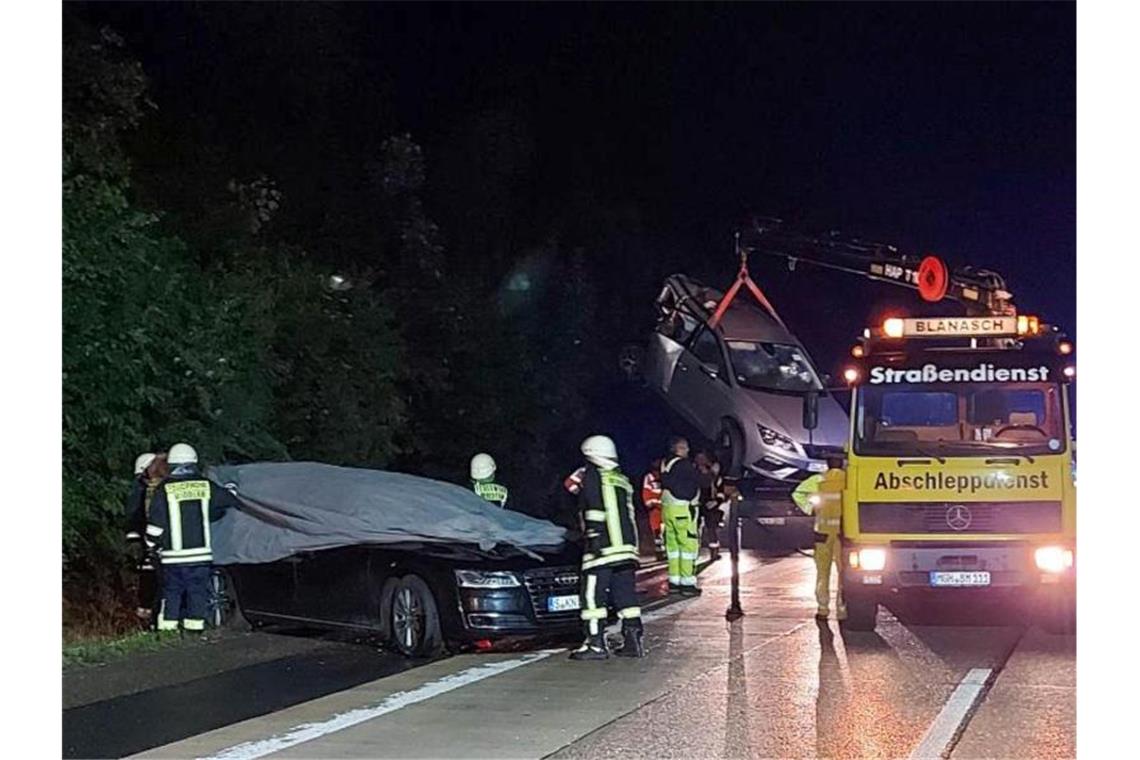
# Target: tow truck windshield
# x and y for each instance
(772, 367)
(969, 419)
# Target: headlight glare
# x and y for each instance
(486, 579)
(771, 438)
(872, 559)
(1053, 559)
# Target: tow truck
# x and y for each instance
(960, 458)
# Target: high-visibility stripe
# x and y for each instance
(673, 555)
(192, 624)
(689, 555)
(618, 548)
(675, 580)
(153, 530)
(591, 589)
(206, 524)
(629, 612)
(597, 614)
(174, 509)
(610, 560)
(613, 521)
(688, 580)
(595, 515)
(187, 556)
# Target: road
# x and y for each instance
(773, 684)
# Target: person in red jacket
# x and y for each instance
(651, 498)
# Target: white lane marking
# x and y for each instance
(945, 727)
(309, 731)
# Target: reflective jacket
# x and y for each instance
(805, 491)
(491, 491)
(179, 522)
(829, 512)
(138, 506)
(651, 490)
(680, 483)
(606, 501)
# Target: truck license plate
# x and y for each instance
(977, 578)
(562, 603)
(771, 521)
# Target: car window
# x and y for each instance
(677, 326)
(772, 366)
(707, 350)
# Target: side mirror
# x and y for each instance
(811, 410)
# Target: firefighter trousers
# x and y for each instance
(827, 553)
(682, 542)
(606, 586)
(185, 597)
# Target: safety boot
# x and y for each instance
(690, 591)
(631, 646)
(593, 648)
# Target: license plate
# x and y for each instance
(817, 466)
(562, 603)
(978, 578)
(771, 521)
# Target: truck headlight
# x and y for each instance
(486, 579)
(868, 559)
(771, 438)
(1053, 559)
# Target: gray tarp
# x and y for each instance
(304, 506)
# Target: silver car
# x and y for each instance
(742, 384)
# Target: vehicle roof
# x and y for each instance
(743, 320)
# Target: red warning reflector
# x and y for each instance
(933, 279)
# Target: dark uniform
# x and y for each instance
(712, 496)
(137, 508)
(184, 506)
(609, 562)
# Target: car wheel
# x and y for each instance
(730, 449)
(862, 612)
(222, 609)
(415, 628)
(631, 362)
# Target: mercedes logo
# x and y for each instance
(958, 517)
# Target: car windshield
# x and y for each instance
(772, 367)
(968, 419)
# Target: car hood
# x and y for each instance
(785, 413)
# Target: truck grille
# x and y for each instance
(957, 518)
(545, 582)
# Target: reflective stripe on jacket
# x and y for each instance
(491, 491)
(829, 513)
(607, 510)
(180, 517)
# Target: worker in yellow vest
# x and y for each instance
(822, 495)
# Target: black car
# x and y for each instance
(417, 597)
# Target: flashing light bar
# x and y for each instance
(961, 327)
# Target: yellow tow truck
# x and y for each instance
(960, 462)
(959, 465)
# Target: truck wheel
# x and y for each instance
(415, 627)
(862, 612)
(730, 449)
(1060, 616)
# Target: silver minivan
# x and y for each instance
(742, 384)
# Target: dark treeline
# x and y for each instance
(501, 188)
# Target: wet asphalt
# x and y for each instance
(774, 684)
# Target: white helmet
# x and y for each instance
(482, 466)
(601, 451)
(182, 453)
(142, 462)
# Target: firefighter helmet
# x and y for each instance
(182, 453)
(601, 451)
(482, 467)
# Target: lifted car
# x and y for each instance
(741, 381)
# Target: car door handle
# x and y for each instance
(681, 366)
(710, 371)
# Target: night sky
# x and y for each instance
(938, 127)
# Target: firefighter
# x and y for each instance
(651, 498)
(822, 495)
(138, 500)
(610, 558)
(712, 497)
(184, 505)
(483, 480)
(680, 494)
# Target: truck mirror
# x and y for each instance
(811, 410)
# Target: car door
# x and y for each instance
(700, 384)
(332, 586)
(666, 344)
(269, 587)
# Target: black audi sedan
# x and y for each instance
(419, 597)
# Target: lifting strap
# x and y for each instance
(743, 278)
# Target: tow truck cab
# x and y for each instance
(959, 476)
